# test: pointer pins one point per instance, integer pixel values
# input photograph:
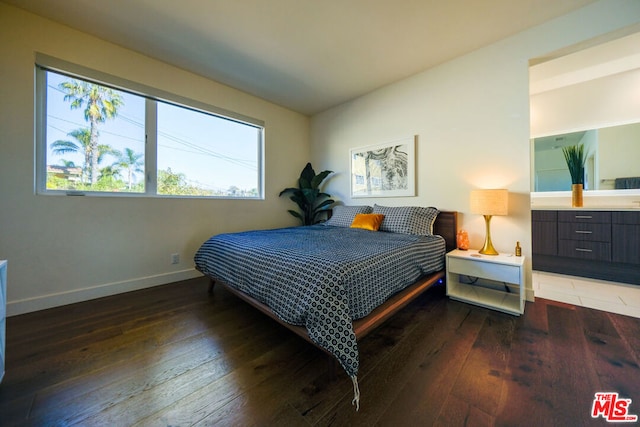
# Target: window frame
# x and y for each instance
(152, 96)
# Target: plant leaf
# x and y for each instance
(296, 214)
(575, 158)
(325, 205)
(317, 180)
(307, 173)
(289, 190)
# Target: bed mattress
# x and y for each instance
(321, 277)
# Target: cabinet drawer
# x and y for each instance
(600, 251)
(584, 231)
(544, 216)
(584, 216)
(629, 218)
(486, 270)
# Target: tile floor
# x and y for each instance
(599, 294)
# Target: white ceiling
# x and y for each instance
(302, 54)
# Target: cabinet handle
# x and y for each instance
(584, 217)
(584, 250)
(584, 232)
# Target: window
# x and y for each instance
(100, 135)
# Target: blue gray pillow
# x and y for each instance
(343, 216)
(407, 219)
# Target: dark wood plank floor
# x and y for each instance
(175, 356)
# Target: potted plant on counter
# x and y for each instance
(575, 157)
(311, 201)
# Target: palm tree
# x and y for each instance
(109, 172)
(83, 146)
(109, 179)
(130, 161)
(100, 103)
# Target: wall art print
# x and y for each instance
(384, 170)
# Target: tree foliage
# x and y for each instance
(131, 162)
(84, 147)
(100, 103)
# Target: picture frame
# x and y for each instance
(384, 170)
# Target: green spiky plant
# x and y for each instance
(574, 155)
(311, 201)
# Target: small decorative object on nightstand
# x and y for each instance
(462, 240)
(495, 281)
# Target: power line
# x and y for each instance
(101, 131)
(194, 148)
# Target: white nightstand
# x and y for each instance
(492, 281)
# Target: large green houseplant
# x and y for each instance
(575, 157)
(311, 201)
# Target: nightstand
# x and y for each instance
(492, 281)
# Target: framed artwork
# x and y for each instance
(384, 170)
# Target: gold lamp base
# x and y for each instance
(488, 248)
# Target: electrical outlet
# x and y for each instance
(175, 258)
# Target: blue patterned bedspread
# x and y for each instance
(321, 277)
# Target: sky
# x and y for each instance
(212, 153)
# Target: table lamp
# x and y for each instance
(489, 203)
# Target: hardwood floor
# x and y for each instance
(173, 355)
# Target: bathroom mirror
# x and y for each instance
(612, 159)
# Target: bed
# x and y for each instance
(335, 282)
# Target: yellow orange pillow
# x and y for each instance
(367, 221)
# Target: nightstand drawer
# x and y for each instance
(475, 267)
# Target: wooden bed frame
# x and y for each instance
(446, 225)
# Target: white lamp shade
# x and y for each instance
(490, 202)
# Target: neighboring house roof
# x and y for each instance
(72, 173)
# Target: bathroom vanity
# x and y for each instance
(600, 244)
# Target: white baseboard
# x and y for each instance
(529, 295)
(43, 302)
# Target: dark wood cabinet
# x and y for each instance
(545, 232)
(598, 244)
(626, 248)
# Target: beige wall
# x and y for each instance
(604, 102)
(66, 249)
(472, 118)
